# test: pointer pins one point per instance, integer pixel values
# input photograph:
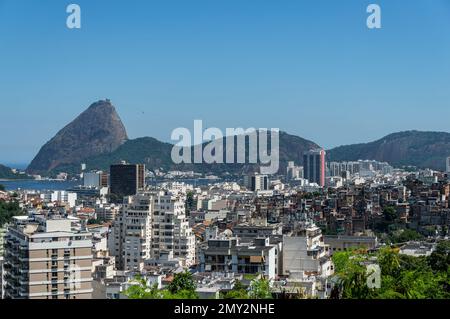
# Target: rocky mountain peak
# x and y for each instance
(98, 130)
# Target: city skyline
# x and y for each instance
(226, 155)
(200, 136)
(312, 70)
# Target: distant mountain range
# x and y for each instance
(98, 138)
(410, 148)
(156, 154)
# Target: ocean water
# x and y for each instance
(64, 185)
(38, 185)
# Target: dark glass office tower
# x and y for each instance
(126, 179)
(314, 166)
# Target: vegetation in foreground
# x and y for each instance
(183, 287)
(402, 276)
(8, 209)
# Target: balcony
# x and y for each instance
(24, 270)
(7, 266)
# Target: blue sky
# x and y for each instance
(311, 68)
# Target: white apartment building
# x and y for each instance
(1, 277)
(2, 237)
(307, 254)
(256, 182)
(293, 172)
(171, 231)
(150, 225)
(95, 179)
(206, 204)
(230, 255)
(130, 240)
(447, 164)
(106, 212)
(178, 188)
(60, 197)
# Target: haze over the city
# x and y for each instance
(312, 69)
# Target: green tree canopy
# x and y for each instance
(405, 236)
(182, 282)
(402, 277)
(238, 292)
(8, 210)
(190, 201)
(182, 287)
(389, 213)
(260, 289)
(440, 258)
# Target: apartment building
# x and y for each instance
(106, 212)
(307, 253)
(2, 238)
(251, 231)
(47, 257)
(62, 197)
(293, 172)
(130, 240)
(1, 277)
(229, 255)
(150, 225)
(95, 179)
(343, 243)
(171, 231)
(256, 182)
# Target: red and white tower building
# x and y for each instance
(314, 166)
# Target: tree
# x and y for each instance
(439, 260)
(402, 277)
(182, 294)
(341, 260)
(182, 282)
(189, 202)
(260, 289)
(8, 210)
(238, 292)
(405, 236)
(389, 261)
(94, 221)
(444, 231)
(142, 291)
(114, 198)
(182, 287)
(352, 280)
(307, 196)
(389, 213)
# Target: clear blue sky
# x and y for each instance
(310, 68)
